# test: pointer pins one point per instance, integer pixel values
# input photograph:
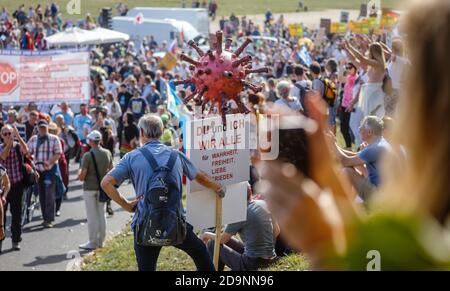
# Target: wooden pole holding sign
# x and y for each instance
(218, 231)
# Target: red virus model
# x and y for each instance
(219, 75)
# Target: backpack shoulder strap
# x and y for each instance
(172, 159)
(298, 86)
(149, 157)
(97, 175)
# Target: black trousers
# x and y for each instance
(14, 202)
(345, 127)
(148, 256)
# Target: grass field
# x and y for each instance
(118, 255)
(226, 7)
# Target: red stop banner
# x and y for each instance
(8, 78)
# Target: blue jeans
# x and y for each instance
(47, 194)
(331, 115)
(148, 256)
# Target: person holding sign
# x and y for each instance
(258, 234)
(135, 166)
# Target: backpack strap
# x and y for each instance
(172, 159)
(97, 174)
(149, 157)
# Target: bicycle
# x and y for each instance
(30, 203)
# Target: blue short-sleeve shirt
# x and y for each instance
(372, 155)
(135, 167)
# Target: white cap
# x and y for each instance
(95, 135)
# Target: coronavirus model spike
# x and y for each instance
(256, 71)
(193, 45)
(219, 74)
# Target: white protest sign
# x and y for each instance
(201, 211)
(220, 151)
(223, 152)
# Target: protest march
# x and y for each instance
(202, 137)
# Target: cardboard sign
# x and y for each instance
(168, 62)
(344, 16)
(319, 37)
(325, 23)
(201, 212)
(363, 10)
(359, 27)
(296, 30)
(337, 27)
(388, 21)
(223, 152)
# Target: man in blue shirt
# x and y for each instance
(135, 167)
(371, 131)
(82, 123)
(66, 113)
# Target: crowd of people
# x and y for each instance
(358, 78)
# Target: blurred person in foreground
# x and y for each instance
(407, 225)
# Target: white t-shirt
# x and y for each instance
(111, 87)
(282, 105)
(396, 70)
(295, 91)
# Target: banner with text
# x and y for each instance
(44, 77)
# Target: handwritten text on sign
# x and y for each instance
(220, 150)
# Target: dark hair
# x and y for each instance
(333, 65)
(350, 64)
(293, 148)
(315, 68)
(298, 71)
(130, 117)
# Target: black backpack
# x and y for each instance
(160, 220)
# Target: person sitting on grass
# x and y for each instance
(258, 234)
(371, 131)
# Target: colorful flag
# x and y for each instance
(174, 102)
(173, 47)
(182, 34)
(304, 56)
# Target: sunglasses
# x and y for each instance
(6, 133)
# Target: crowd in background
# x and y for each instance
(127, 82)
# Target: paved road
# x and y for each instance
(53, 249)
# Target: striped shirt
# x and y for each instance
(49, 147)
(12, 163)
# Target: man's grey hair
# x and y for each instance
(283, 89)
(373, 123)
(151, 126)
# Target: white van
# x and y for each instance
(161, 30)
(197, 17)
